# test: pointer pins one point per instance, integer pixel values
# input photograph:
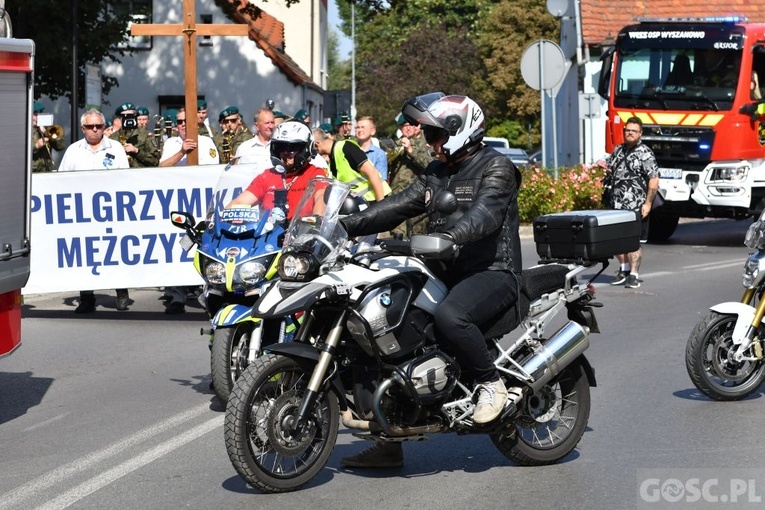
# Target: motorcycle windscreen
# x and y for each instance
(315, 227)
(233, 180)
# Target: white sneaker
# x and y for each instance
(491, 400)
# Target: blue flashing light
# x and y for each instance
(704, 146)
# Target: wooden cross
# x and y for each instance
(191, 30)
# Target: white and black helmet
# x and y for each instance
(459, 119)
(296, 137)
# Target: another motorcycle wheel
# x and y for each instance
(708, 359)
(261, 445)
(228, 359)
(551, 422)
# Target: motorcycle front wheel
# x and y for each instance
(708, 359)
(551, 421)
(229, 355)
(261, 444)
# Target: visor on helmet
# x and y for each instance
(415, 110)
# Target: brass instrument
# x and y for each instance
(158, 140)
(394, 152)
(123, 141)
(226, 145)
(54, 132)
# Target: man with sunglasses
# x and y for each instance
(232, 130)
(95, 152)
(483, 276)
(633, 175)
(176, 148)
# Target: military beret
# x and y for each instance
(171, 114)
(142, 110)
(326, 127)
(301, 115)
(400, 120)
(229, 110)
(280, 115)
(38, 107)
(342, 119)
(123, 108)
(201, 104)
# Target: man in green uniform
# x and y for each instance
(233, 133)
(203, 122)
(141, 151)
(409, 160)
(343, 127)
(42, 145)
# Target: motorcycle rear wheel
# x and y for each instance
(259, 443)
(551, 422)
(228, 358)
(708, 363)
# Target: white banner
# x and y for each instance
(111, 229)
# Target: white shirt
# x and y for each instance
(254, 151)
(80, 156)
(208, 153)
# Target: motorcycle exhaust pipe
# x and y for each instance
(557, 353)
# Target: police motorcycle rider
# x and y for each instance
(292, 149)
(483, 277)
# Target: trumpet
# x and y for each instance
(54, 132)
(394, 152)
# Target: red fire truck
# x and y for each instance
(16, 80)
(695, 84)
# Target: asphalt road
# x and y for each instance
(113, 410)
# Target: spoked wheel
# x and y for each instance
(261, 442)
(710, 363)
(228, 359)
(551, 421)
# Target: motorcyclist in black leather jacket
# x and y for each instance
(484, 276)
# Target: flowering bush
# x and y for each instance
(575, 188)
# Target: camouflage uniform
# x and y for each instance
(41, 158)
(242, 135)
(148, 155)
(403, 170)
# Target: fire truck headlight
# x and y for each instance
(730, 174)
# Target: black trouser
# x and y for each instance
(473, 301)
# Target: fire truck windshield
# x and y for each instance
(678, 78)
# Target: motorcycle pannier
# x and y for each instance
(587, 235)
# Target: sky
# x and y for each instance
(334, 22)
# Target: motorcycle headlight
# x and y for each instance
(755, 235)
(751, 271)
(295, 266)
(215, 273)
(248, 274)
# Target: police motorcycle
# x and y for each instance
(724, 353)
(371, 312)
(236, 254)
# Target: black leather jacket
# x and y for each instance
(485, 224)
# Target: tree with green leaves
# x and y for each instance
(100, 31)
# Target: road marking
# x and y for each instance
(84, 489)
(46, 422)
(60, 474)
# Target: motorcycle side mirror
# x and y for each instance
(182, 220)
(446, 202)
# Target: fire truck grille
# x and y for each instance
(689, 148)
